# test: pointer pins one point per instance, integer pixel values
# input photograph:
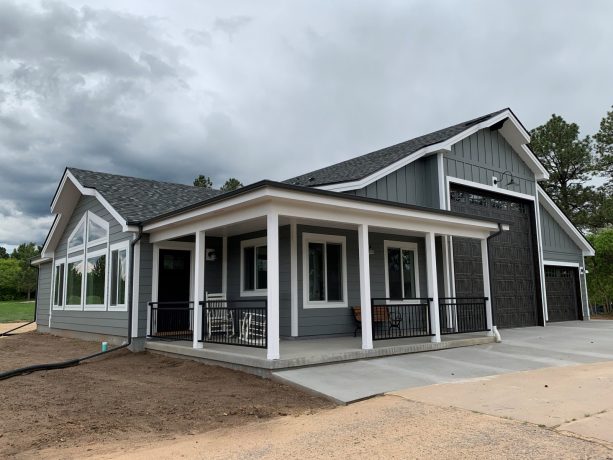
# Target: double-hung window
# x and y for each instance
(401, 270)
(254, 267)
(324, 271)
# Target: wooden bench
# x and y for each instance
(380, 314)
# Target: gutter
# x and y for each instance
(489, 265)
(77, 361)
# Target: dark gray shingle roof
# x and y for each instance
(365, 165)
(137, 200)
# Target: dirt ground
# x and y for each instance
(129, 399)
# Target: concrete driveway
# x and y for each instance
(557, 345)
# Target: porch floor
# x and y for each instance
(308, 352)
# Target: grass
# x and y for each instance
(16, 311)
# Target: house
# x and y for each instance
(438, 239)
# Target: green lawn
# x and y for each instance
(16, 310)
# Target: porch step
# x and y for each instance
(301, 353)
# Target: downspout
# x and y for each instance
(77, 361)
(489, 265)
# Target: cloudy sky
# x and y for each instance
(271, 89)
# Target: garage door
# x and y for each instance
(514, 295)
(562, 293)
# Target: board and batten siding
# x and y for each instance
(415, 183)
(98, 322)
(43, 293)
(486, 154)
(557, 245)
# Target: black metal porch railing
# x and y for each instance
(235, 322)
(462, 314)
(171, 320)
(394, 318)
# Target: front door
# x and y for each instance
(173, 286)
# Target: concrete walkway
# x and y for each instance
(559, 344)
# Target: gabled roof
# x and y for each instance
(358, 172)
(137, 200)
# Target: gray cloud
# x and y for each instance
(274, 89)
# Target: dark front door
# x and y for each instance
(512, 257)
(173, 286)
(562, 285)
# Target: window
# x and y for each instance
(77, 237)
(401, 270)
(324, 271)
(58, 286)
(95, 280)
(254, 267)
(118, 274)
(74, 283)
(97, 230)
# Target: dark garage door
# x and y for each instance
(514, 295)
(562, 293)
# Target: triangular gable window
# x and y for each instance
(77, 237)
(98, 230)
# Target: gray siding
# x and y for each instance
(43, 293)
(557, 245)
(100, 322)
(285, 301)
(213, 276)
(415, 183)
(485, 154)
(145, 284)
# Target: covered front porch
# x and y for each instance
(291, 280)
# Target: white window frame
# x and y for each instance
(123, 246)
(57, 263)
(323, 239)
(69, 260)
(101, 222)
(403, 246)
(101, 306)
(79, 247)
(255, 243)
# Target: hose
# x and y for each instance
(77, 361)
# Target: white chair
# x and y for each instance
(218, 317)
(253, 328)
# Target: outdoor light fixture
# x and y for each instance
(371, 251)
(512, 180)
(210, 255)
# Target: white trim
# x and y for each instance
(97, 253)
(432, 281)
(56, 263)
(539, 241)
(441, 180)
(255, 243)
(122, 246)
(75, 307)
(488, 188)
(322, 239)
(524, 153)
(272, 274)
(403, 246)
(80, 247)
(98, 221)
(487, 291)
(135, 283)
(561, 264)
(198, 276)
(294, 278)
(565, 223)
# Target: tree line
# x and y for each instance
(17, 278)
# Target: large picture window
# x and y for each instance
(324, 271)
(401, 273)
(254, 267)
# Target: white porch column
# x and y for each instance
(199, 251)
(432, 286)
(365, 299)
(487, 291)
(272, 241)
(294, 278)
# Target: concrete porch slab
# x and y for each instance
(308, 352)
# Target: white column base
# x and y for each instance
(198, 345)
(435, 339)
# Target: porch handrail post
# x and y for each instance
(433, 286)
(199, 254)
(487, 290)
(365, 298)
(272, 262)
